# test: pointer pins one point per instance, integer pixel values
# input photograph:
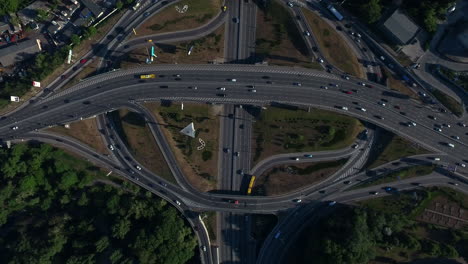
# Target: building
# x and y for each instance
(399, 28)
(4, 27)
(29, 13)
(16, 53)
(94, 8)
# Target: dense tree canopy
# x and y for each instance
(53, 212)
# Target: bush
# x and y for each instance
(207, 155)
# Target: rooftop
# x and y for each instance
(401, 27)
(15, 53)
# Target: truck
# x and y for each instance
(335, 12)
(135, 7)
(147, 76)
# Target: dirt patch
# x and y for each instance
(287, 178)
(396, 84)
(198, 13)
(87, 71)
(333, 46)
(200, 166)
(85, 131)
(443, 212)
(279, 130)
(143, 146)
(205, 50)
(279, 42)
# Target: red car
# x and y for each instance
(397, 107)
(348, 92)
(83, 61)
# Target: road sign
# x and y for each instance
(14, 98)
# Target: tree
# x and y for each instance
(75, 40)
(119, 4)
(102, 244)
(121, 228)
(430, 20)
(371, 11)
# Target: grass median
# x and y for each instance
(453, 105)
(174, 18)
(279, 41)
(280, 130)
(391, 147)
(138, 137)
(332, 45)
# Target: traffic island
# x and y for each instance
(287, 129)
(197, 157)
(136, 134)
(453, 105)
(398, 84)
(85, 131)
(290, 177)
(278, 40)
(207, 49)
(183, 15)
(333, 46)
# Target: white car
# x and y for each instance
(320, 60)
(446, 125)
(362, 109)
(253, 90)
(436, 159)
(344, 108)
(222, 88)
(413, 123)
(355, 146)
(296, 159)
(204, 248)
(290, 4)
(233, 80)
(361, 83)
(177, 202)
(381, 103)
(461, 164)
(450, 145)
(298, 84)
(297, 200)
(324, 87)
(138, 167)
(437, 129)
(462, 124)
(456, 137)
(111, 147)
(14, 128)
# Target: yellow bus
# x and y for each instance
(252, 180)
(147, 76)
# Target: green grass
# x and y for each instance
(405, 173)
(280, 130)
(455, 107)
(392, 147)
(210, 222)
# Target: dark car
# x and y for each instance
(221, 95)
(315, 49)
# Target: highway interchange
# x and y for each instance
(113, 90)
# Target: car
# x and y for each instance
(389, 189)
(416, 183)
(308, 155)
(221, 95)
(296, 159)
(235, 20)
(455, 137)
(227, 150)
(361, 83)
(278, 234)
(462, 124)
(253, 90)
(397, 107)
(369, 86)
(14, 128)
(364, 49)
(333, 84)
(297, 200)
(413, 123)
(347, 182)
(344, 108)
(348, 92)
(83, 61)
(138, 167)
(346, 77)
(379, 117)
(381, 103)
(432, 117)
(324, 87)
(437, 129)
(298, 17)
(436, 159)
(315, 49)
(233, 80)
(111, 147)
(339, 28)
(362, 109)
(331, 203)
(320, 60)
(204, 248)
(146, 14)
(374, 193)
(237, 154)
(454, 183)
(450, 145)
(224, 8)
(307, 33)
(461, 164)
(290, 4)
(298, 84)
(222, 88)
(177, 202)
(446, 125)
(355, 146)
